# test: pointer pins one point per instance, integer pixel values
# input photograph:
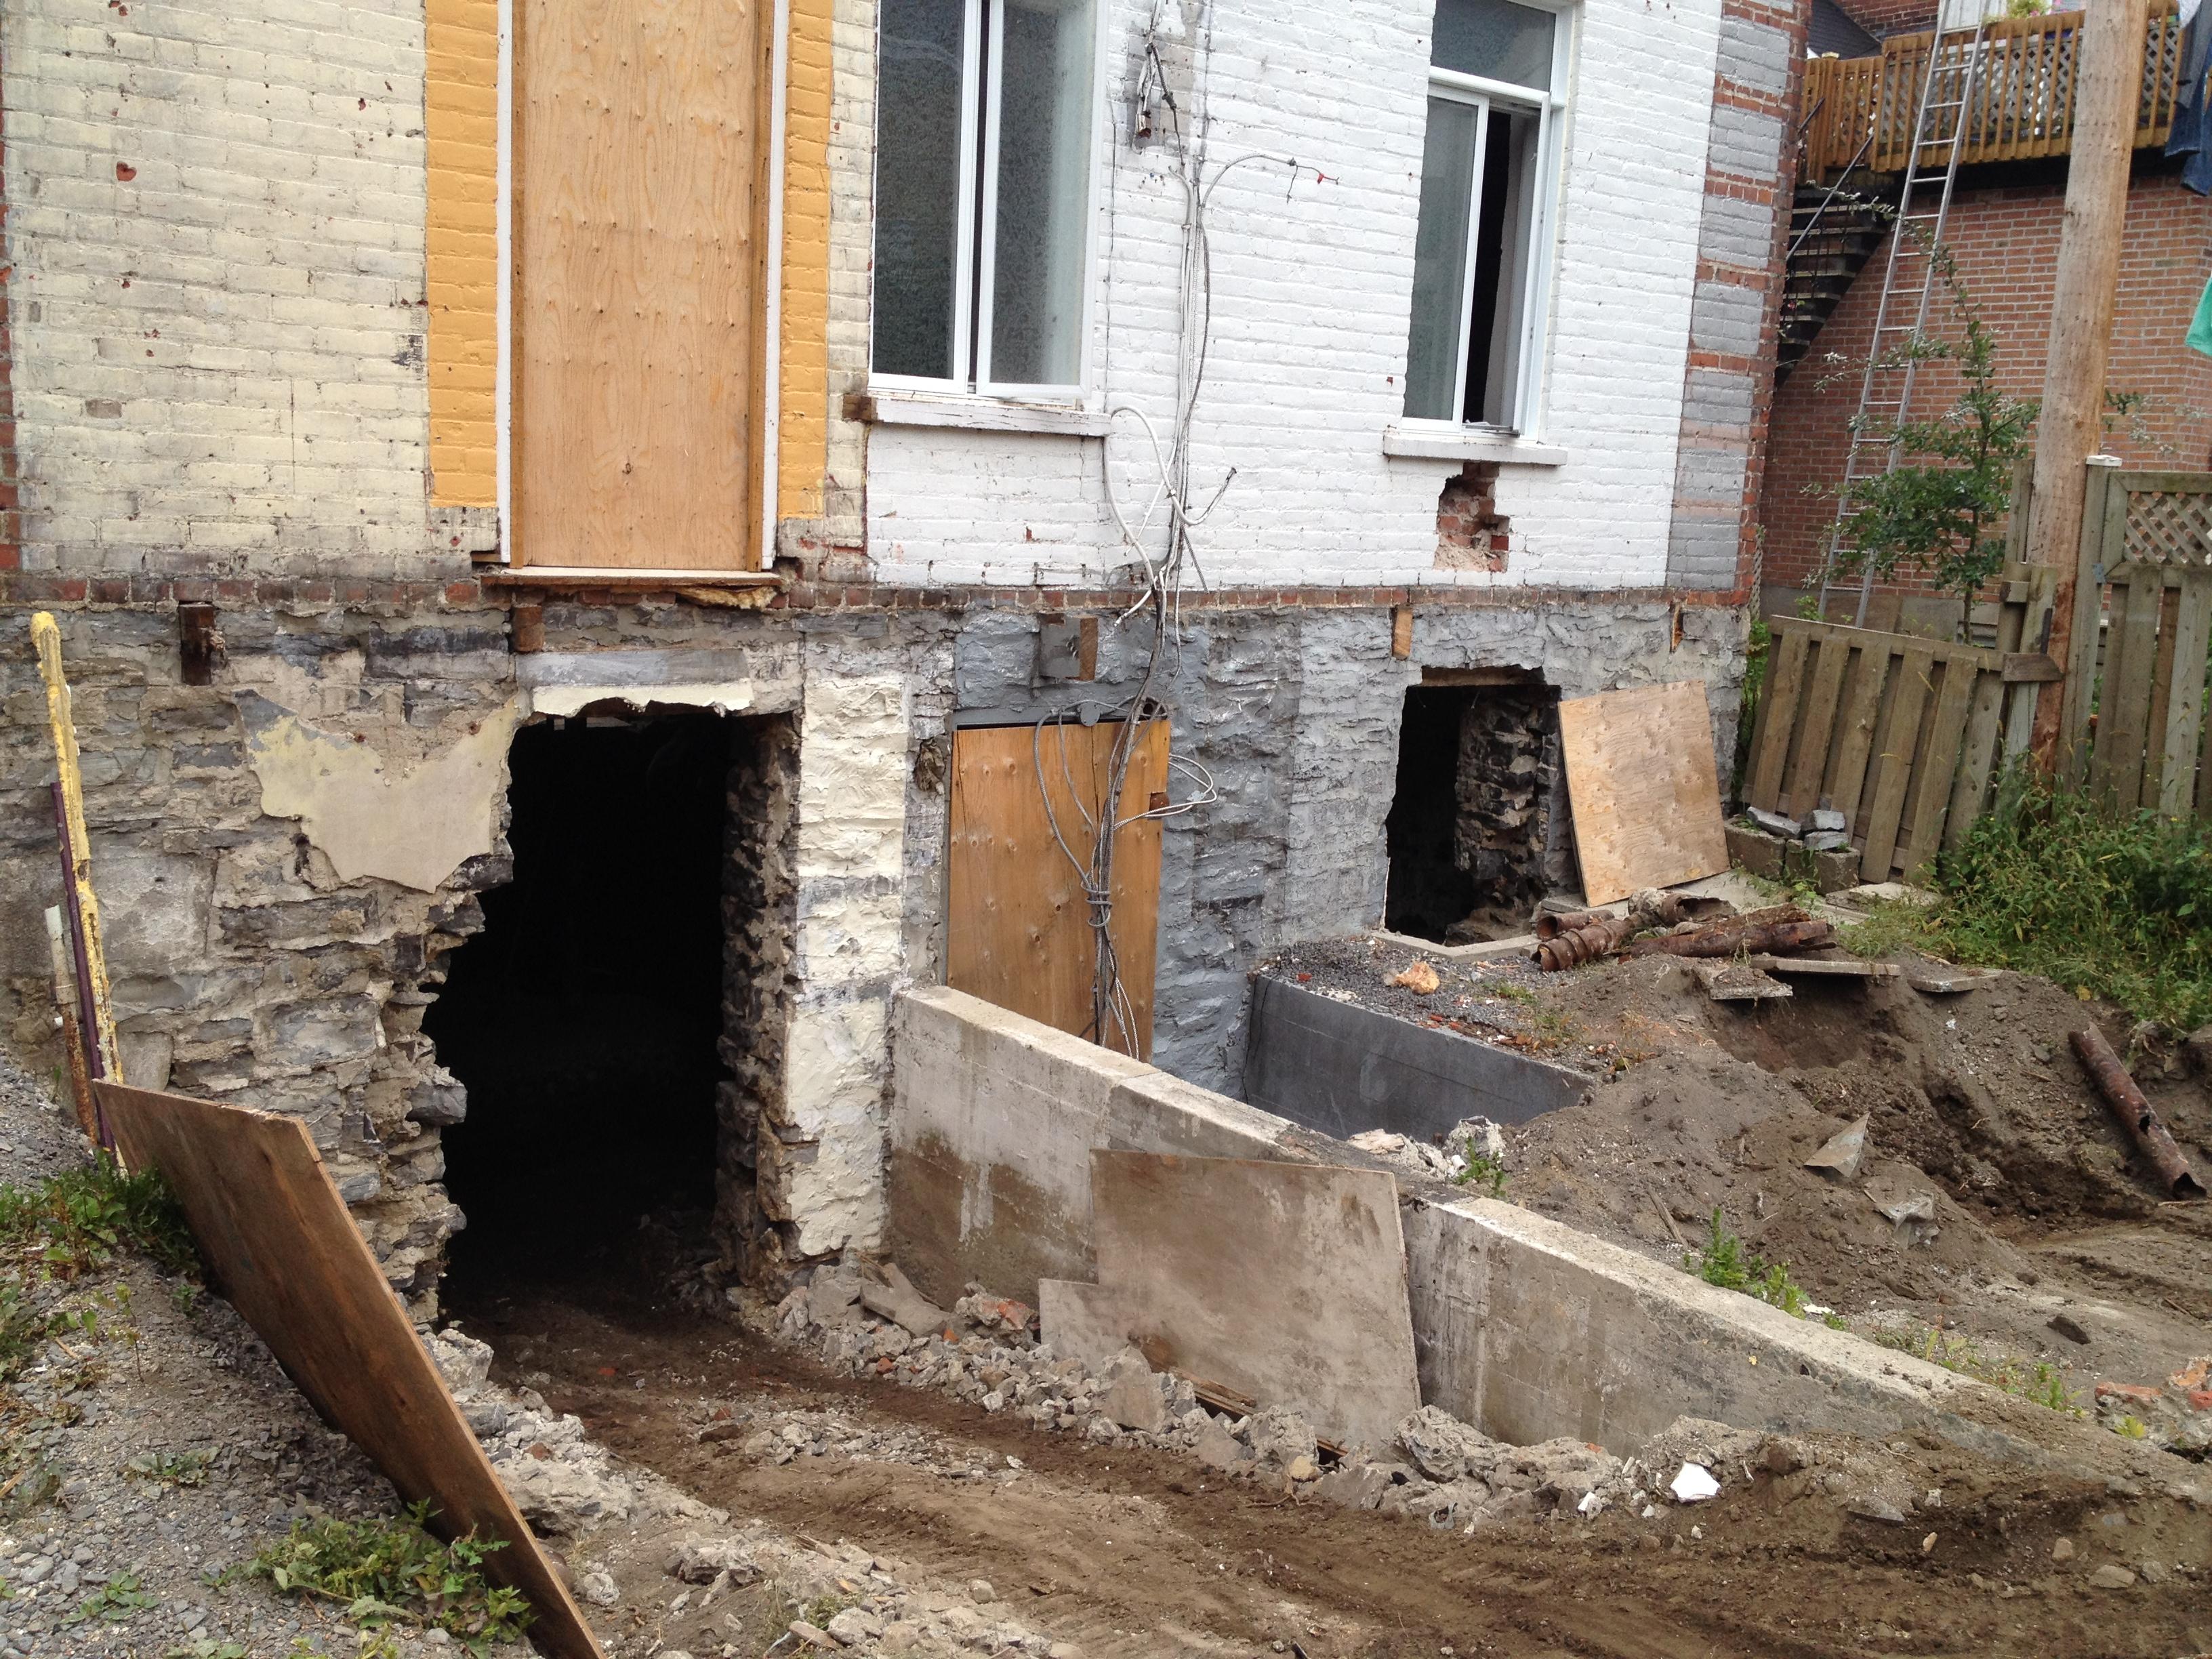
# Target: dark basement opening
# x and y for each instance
(1478, 833)
(583, 1021)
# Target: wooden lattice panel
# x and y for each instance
(2170, 527)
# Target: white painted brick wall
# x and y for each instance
(218, 361)
(1310, 300)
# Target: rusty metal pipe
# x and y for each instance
(2135, 1113)
(1777, 939)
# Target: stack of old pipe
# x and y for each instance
(1571, 938)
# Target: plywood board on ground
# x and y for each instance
(1645, 792)
(1017, 923)
(279, 1243)
(1282, 1281)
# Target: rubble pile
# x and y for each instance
(732, 1582)
(1437, 1468)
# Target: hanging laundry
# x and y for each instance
(2191, 108)
(2200, 327)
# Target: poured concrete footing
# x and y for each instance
(1523, 1327)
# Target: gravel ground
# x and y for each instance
(142, 1462)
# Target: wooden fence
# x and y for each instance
(2021, 106)
(2135, 681)
(1905, 735)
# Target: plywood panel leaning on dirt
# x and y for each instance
(637, 282)
(1645, 792)
(1018, 922)
(281, 1246)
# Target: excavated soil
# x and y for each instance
(1150, 1552)
(1976, 1099)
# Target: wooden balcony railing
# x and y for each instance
(2021, 106)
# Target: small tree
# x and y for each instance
(1942, 510)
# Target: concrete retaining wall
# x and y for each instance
(1525, 1327)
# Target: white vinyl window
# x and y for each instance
(1489, 174)
(984, 157)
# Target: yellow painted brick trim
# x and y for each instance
(803, 384)
(461, 116)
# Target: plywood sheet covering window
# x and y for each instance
(639, 145)
(1019, 927)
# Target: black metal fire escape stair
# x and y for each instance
(1832, 235)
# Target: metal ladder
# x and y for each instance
(1886, 391)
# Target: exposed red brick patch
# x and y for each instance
(1471, 534)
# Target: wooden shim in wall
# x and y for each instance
(1644, 789)
(1017, 926)
(637, 287)
(281, 1246)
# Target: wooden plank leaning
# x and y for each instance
(2182, 739)
(1938, 767)
(2123, 701)
(1808, 767)
(1855, 737)
(280, 1244)
(96, 1014)
(1777, 714)
(1900, 739)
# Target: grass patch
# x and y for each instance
(55, 1233)
(383, 1570)
(1723, 1261)
(74, 1223)
(2039, 1384)
(2118, 905)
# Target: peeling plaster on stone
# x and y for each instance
(834, 1197)
(734, 698)
(821, 1160)
(414, 827)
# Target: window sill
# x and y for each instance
(974, 413)
(1444, 443)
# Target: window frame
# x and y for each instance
(974, 258)
(1549, 106)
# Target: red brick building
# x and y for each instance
(2003, 235)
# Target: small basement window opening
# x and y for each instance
(1479, 832)
(584, 1021)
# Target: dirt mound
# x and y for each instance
(1974, 1104)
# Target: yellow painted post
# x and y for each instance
(47, 637)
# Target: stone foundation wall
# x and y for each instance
(286, 854)
(1512, 835)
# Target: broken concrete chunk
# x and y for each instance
(1911, 1212)
(1774, 823)
(1218, 1447)
(1133, 1396)
(905, 1307)
(1842, 1153)
(702, 1560)
(1441, 1446)
(1826, 840)
(1693, 1485)
(1279, 1439)
(1827, 820)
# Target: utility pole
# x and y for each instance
(2107, 88)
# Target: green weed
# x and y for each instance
(1482, 1169)
(73, 1223)
(117, 1600)
(380, 1571)
(187, 1468)
(2118, 905)
(1723, 1261)
(2131, 1428)
(2039, 1384)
